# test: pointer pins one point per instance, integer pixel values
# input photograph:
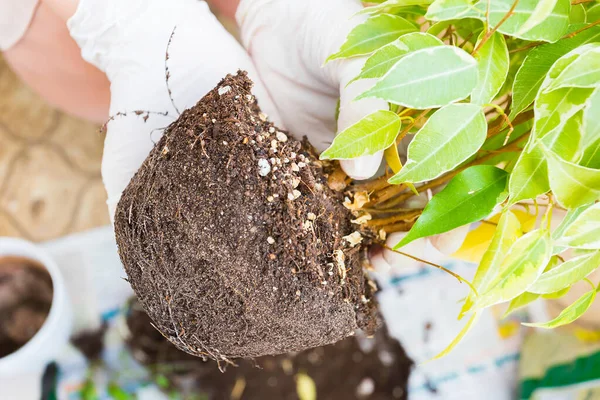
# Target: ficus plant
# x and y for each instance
(500, 100)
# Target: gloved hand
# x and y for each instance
(128, 40)
(289, 42)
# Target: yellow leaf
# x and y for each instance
(477, 242)
(479, 239)
(305, 387)
(393, 158)
(458, 337)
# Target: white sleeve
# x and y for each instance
(128, 41)
(15, 17)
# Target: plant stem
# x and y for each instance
(529, 46)
(465, 40)
(402, 197)
(405, 131)
(454, 274)
(570, 35)
(396, 218)
(489, 34)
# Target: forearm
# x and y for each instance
(49, 61)
(64, 9)
(227, 8)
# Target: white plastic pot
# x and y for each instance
(26, 365)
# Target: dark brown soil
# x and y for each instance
(354, 368)
(91, 343)
(25, 301)
(232, 240)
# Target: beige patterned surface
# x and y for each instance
(50, 181)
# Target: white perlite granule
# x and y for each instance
(263, 167)
(223, 90)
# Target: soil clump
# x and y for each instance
(232, 240)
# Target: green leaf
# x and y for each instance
(572, 184)
(557, 295)
(591, 119)
(428, 78)
(468, 197)
(529, 177)
(375, 32)
(521, 301)
(449, 137)
(578, 14)
(558, 125)
(566, 274)
(570, 217)
(497, 141)
(584, 232)
(593, 13)
(373, 133)
(583, 72)
(550, 29)
(492, 67)
(538, 62)
(458, 337)
(442, 10)
(88, 391)
(392, 5)
(385, 58)
(464, 28)
(566, 142)
(117, 393)
(591, 156)
(507, 232)
(569, 314)
(162, 381)
(553, 110)
(522, 266)
(542, 10)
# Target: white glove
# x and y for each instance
(435, 249)
(128, 40)
(289, 41)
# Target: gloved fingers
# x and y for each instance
(433, 249)
(352, 111)
(128, 40)
(310, 29)
(449, 242)
(384, 260)
(289, 42)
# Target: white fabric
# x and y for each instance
(289, 42)
(15, 16)
(128, 41)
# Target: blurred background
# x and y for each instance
(50, 184)
(51, 193)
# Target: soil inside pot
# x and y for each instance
(355, 368)
(232, 240)
(25, 301)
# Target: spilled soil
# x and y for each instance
(355, 368)
(232, 240)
